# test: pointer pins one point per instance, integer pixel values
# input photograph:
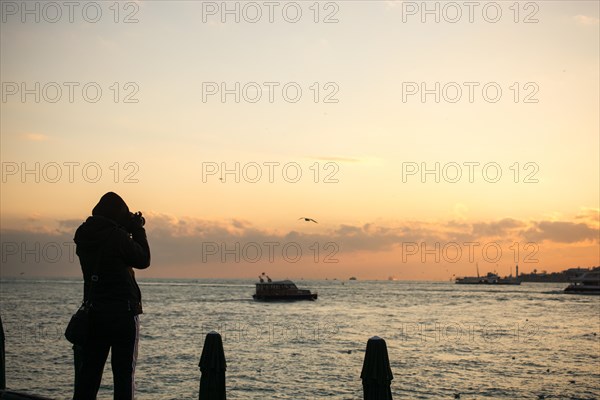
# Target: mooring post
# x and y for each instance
(376, 373)
(212, 368)
(2, 358)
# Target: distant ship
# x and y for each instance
(489, 279)
(589, 283)
(352, 278)
(280, 290)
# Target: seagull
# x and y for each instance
(308, 219)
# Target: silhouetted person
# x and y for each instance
(110, 244)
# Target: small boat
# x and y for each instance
(589, 283)
(352, 278)
(280, 290)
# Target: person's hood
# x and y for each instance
(112, 206)
(110, 213)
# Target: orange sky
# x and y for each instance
(393, 133)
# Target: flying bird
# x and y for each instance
(308, 219)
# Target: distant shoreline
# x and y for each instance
(566, 276)
(79, 280)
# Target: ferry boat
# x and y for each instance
(280, 290)
(589, 283)
(489, 279)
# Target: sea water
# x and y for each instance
(484, 342)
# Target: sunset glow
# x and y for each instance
(421, 148)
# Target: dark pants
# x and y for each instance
(119, 334)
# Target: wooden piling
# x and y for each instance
(2, 358)
(212, 368)
(376, 372)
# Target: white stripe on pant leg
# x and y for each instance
(136, 320)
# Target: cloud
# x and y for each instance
(43, 252)
(497, 228)
(69, 224)
(180, 245)
(369, 237)
(586, 20)
(561, 232)
(589, 215)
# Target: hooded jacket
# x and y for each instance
(108, 253)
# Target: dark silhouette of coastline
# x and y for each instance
(568, 275)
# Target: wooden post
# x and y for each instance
(212, 368)
(2, 358)
(376, 372)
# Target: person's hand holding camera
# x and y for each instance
(136, 221)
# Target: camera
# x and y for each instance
(136, 220)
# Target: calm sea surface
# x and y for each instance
(511, 342)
